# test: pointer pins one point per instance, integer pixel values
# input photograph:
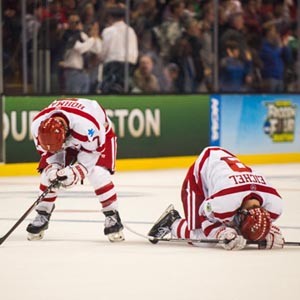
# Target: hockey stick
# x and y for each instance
(212, 241)
(156, 240)
(28, 211)
(195, 241)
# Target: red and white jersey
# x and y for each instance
(218, 184)
(88, 125)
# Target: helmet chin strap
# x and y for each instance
(244, 210)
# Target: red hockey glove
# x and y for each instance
(71, 175)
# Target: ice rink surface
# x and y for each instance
(75, 261)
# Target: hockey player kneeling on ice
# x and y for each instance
(226, 200)
(76, 141)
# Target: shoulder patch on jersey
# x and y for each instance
(91, 132)
(208, 212)
(208, 208)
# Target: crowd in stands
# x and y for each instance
(167, 47)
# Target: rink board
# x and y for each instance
(146, 126)
(26, 169)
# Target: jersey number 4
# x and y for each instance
(235, 164)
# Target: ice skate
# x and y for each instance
(37, 228)
(113, 226)
(162, 226)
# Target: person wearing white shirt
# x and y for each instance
(119, 45)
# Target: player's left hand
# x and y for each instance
(232, 240)
(71, 175)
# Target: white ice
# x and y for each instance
(75, 261)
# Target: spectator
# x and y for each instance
(56, 11)
(94, 66)
(252, 17)
(171, 73)
(231, 7)
(117, 50)
(148, 46)
(291, 77)
(170, 30)
(235, 32)
(145, 16)
(33, 24)
(88, 16)
(12, 35)
(70, 6)
(207, 51)
(158, 26)
(234, 72)
(274, 54)
(186, 54)
(76, 44)
(143, 79)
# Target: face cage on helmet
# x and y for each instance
(240, 217)
(62, 147)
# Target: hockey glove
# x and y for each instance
(273, 240)
(50, 171)
(232, 241)
(71, 175)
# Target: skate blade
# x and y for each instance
(35, 236)
(116, 237)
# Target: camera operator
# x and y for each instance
(75, 44)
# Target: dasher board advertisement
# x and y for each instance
(146, 126)
(255, 124)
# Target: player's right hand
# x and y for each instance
(232, 241)
(51, 170)
(50, 174)
(71, 175)
(273, 240)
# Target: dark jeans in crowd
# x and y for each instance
(114, 77)
(76, 81)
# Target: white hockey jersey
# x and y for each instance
(225, 183)
(88, 126)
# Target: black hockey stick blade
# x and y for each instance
(263, 243)
(28, 211)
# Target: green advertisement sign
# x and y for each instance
(146, 126)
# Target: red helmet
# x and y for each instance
(51, 134)
(256, 224)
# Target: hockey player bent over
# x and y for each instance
(224, 199)
(75, 140)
